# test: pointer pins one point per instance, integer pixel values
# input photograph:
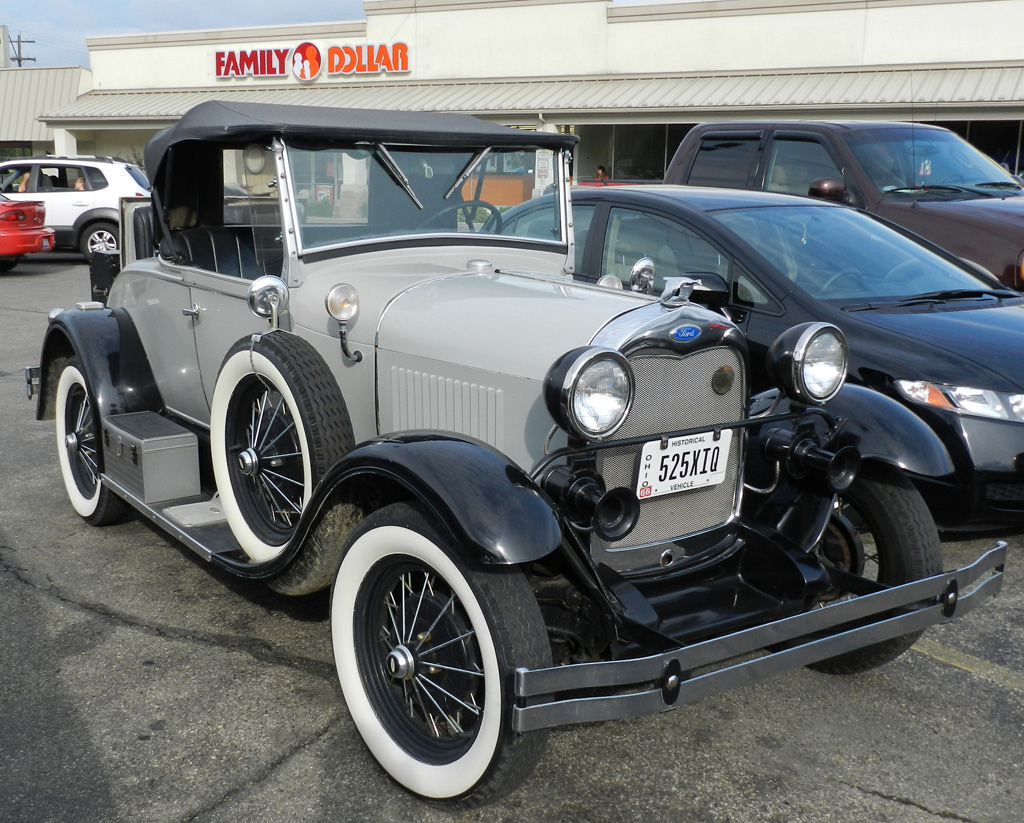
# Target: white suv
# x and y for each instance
(82, 195)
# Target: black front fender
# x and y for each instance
(486, 502)
(881, 429)
(111, 358)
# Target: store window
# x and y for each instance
(626, 152)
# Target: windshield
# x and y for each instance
(911, 159)
(369, 192)
(843, 254)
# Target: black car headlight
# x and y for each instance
(589, 391)
(808, 362)
(965, 399)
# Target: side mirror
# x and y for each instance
(268, 297)
(828, 188)
(641, 276)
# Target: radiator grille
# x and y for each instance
(675, 393)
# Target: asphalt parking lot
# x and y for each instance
(137, 683)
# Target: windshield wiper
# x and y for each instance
(936, 187)
(936, 297)
(957, 294)
(998, 184)
(466, 172)
(382, 154)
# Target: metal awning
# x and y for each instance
(26, 91)
(923, 92)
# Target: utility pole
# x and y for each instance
(5, 48)
(17, 55)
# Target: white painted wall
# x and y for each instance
(519, 38)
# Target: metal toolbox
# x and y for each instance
(152, 457)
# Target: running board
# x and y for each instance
(198, 523)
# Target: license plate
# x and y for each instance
(688, 462)
(46, 243)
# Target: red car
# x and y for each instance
(22, 230)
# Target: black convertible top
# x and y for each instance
(218, 120)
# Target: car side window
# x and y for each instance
(675, 249)
(749, 294)
(53, 178)
(96, 178)
(724, 161)
(582, 218)
(15, 178)
(794, 164)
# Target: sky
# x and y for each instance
(60, 27)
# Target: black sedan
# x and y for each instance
(925, 328)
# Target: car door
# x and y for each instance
(66, 192)
(220, 316)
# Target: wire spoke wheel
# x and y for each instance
(80, 451)
(425, 642)
(265, 459)
(421, 659)
(80, 440)
(278, 422)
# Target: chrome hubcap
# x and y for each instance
(400, 663)
(249, 462)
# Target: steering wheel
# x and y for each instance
(846, 274)
(906, 272)
(467, 207)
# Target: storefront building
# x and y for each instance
(628, 79)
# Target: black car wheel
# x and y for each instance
(79, 450)
(98, 237)
(884, 531)
(425, 643)
(277, 423)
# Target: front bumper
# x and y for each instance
(988, 487)
(617, 689)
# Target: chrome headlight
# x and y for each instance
(589, 391)
(964, 399)
(808, 362)
(342, 302)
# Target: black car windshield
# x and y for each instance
(835, 253)
(373, 191)
(937, 162)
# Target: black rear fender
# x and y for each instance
(111, 357)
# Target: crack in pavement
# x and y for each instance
(239, 790)
(260, 650)
(945, 814)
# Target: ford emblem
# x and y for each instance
(684, 334)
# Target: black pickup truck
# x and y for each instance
(921, 177)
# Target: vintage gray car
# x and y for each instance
(537, 501)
